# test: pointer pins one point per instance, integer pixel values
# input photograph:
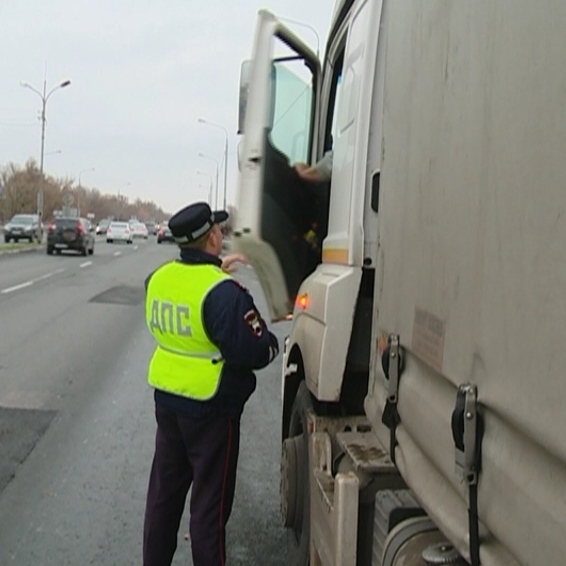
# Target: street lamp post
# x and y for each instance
(209, 187)
(209, 193)
(217, 168)
(203, 121)
(44, 98)
(80, 187)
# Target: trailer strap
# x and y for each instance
(467, 432)
(392, 363)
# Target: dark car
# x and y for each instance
(22, 227)
(151, 228)
(164, 234)
(70, 234)
(102, 227)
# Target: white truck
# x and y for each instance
(424, 388)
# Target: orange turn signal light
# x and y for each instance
(302, 301)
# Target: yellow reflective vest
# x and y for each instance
(185, 361)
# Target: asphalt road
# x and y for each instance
(76, 416)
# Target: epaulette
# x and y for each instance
(240, 285)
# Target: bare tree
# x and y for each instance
(19, 194)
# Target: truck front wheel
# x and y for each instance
(295, 492)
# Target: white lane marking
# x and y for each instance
(17, 287)
(47, 275)
(117, 254)
(85, 264)
(32, 281)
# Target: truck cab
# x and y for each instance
(313, 245)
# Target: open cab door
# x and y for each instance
(276, 210)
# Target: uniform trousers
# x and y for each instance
(202, 453)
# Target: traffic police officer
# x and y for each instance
(210, 337)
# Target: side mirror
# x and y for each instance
(245, 77)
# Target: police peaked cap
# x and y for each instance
(194, 221)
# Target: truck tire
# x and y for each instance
(295, 481)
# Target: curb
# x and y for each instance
(22, 250)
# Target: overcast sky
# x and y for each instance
(142, 72)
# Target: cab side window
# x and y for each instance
(333, 101)
(323, 189)
(295, 210)
(286, 204)
(292, 109)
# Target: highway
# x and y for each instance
(76, 415)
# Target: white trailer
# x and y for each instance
(423, 378)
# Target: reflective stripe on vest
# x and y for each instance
(185, 361)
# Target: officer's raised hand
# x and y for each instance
(229, 261)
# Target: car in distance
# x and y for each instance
(73, 234)
(23, 227)
(139, 230)
(102, 226)
(152, 228)
(165, 234)
(119, 232)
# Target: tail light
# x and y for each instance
(80, 229)
(161, 232)
(51, 227)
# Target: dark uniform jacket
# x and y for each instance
(235, 326)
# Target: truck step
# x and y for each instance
(366, 452)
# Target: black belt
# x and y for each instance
(392, 362)
(467, 431)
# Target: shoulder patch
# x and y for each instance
(254, 323)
